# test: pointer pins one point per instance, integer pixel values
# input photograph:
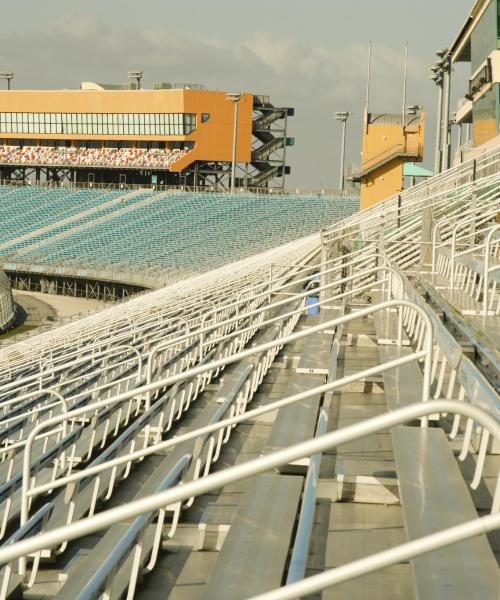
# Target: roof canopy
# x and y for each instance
(460, 50)
(414, 170)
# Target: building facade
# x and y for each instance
(162, 136)
(388, 144)
(478, 44)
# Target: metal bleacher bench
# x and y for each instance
(297, 422)
(402, 385)
(254, 554)
(434, 497)
(386, 326)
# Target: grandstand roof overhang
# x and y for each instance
(460, 50)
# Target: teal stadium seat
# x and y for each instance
(161, 231)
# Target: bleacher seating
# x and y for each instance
(112, 158)
(219, 438)
(189, 232)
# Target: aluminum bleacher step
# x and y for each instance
(91, 562)
(403, 385)
(249, 562)
(463, 302)
(434, 496)
(214, 524)
(15, 587)
(356, 531)
(297, 422)
(386, 326)
(363, 489)
(325, 315)
(316, 355)
(489, 328)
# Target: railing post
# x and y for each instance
(427, 236)
(487, 252)
(323, 260)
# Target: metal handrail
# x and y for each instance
(487, 268)
(450, 220)
(386, 558)
(485, 216)
(188, 291)
(60, 368)
(300, 551)
(228, 422)
(250, 468)
(426, 354)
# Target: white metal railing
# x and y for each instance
(179, 493)
(239, 297)
(190, 373)
(487, 268)
(425, 353)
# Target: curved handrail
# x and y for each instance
(161, 346)
(426, 354)
(59, 368)
(226, 423)
(445, 221)
(250, 468)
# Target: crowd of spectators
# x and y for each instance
(137, 158)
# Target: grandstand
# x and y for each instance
(182, 135)
(294, 398)
(124, 158)
(147, 237)
(257, 430)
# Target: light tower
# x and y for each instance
(235, 99)
(437, 77)
(137, 75)
(8, 76)
(342, 116)
(442, 76)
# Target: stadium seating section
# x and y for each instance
(190, 232)
(128, 158)
(276, 419)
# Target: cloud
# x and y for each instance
(294, 71)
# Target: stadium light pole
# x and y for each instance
(447, 123)
(235, 99)
(437, 77)
(342, 116)
(8, 76)
(137, 75)
(445, 70)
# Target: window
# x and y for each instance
(117, 124)
(483, 38)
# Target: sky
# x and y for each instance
(311, 55)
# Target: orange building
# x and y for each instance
(164, 136)
(387, 144)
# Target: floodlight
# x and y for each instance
(413, 109)
(8, 76)
(342, 115)
(136, 75)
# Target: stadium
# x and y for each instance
(279, 393)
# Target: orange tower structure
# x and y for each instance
(387, 144)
